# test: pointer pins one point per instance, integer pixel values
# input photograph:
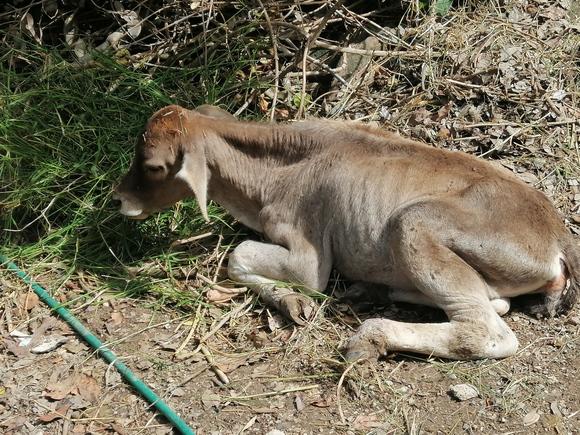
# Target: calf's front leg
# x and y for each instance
(262, 265)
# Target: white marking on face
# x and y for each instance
(129, 208)
(182, 173)
(131, 213)
(556, 267)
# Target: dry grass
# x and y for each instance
(499, 81)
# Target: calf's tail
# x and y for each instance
(570, 295)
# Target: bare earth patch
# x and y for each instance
(278, 376)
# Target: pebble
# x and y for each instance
(275, 432)
(463, 392)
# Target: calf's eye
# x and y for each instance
(154, 169)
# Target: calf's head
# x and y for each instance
(169, 164)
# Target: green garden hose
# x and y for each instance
(105, 352)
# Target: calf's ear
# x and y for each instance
(195, 174)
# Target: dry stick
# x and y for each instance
(248, 425)
(220, 262)
(190, 239)
(209, 357)
(191, 331)
(339, 386)
(574, 140)
(313, 37)
(219, 287)
(376, 53)
(271, 393)
(519, 124)
(276, 61)
(193, 376)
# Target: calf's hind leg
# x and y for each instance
(474, 329)
(500, 305)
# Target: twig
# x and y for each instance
(190, 239)
(271, 393)
(218, 287)
(219, 373)
(467, 85)
(339, 386)
(41, 215)
(519, 124)
(156, 325)
(248, 425)
(276, 60)
(191, 330)
(220, 262)
(376, 53)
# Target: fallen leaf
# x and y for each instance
(362, 422)
(79, 428)
(22, 338)
(59, 412)
(224, 294)
(275, 321)
(263, 104)
(88, 387)
(282, 113)
(28, 301)
(259, 338)
(531, 418)
(58, 390)
(77, 402)
(118, 429)
(16, 349)
(320, 403)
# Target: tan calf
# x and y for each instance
(434, 227)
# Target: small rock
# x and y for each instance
(531, 418)
(275, 432)
(555, 409)
(178, 392)
(299, 403)
(49, 344)
(463, 392)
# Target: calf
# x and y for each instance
(434, 227)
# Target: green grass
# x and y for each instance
(66, 136)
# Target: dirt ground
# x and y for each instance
(256, 374)
(500, 83)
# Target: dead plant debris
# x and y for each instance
(496, 79)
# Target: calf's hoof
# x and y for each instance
(297, 307)
(368, 343)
